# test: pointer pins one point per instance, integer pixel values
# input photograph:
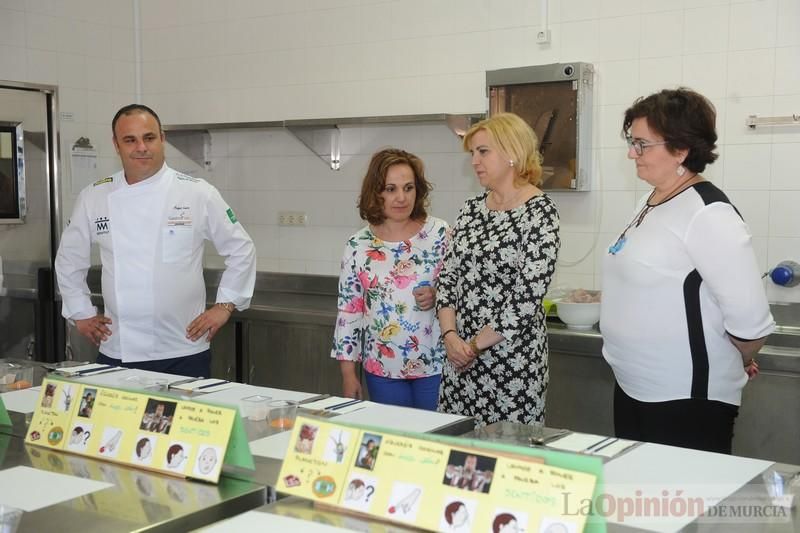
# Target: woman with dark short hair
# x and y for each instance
(387, 288)
(684, 310)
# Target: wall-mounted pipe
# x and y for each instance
(137, 50)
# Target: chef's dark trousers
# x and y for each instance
(197, 365)
(692, 423)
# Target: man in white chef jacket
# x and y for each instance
(150, 223)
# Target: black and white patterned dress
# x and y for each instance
(496, 272)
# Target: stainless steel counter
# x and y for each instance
(138, 501)
(311, 299)
(781, 352)
(141, 500)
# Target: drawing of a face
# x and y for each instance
(79, 436)
(144, 449)
(505, 523)
(456, 515)
(75, 438)
(175, 456)
(355, 490)
(207, 461)
(460, 516)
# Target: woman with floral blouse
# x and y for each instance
(387, 288)
(497, 270)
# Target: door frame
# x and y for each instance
(50, 333)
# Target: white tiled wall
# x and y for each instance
(257, 60)
(84, 48)
(261, 172)
(314, 59)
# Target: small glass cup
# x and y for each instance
(15, 377)
(282, 414)
(255, 408)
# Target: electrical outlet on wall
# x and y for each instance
(292, 218)
(543, 36)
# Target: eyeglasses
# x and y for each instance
(638, 145)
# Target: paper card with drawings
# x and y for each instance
(435, 483)
(178, 437)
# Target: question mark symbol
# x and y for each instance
(86, 435)
(370, 491)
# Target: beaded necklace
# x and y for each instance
(615, 248)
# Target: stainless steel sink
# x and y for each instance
(787, 332)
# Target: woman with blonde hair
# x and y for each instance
(497, 270)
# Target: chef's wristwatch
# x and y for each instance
(228, 306)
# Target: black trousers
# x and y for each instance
(698, 424)
(197, 365)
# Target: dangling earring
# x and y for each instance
(680, 171)
(511, 162)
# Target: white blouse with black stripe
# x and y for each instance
(684, 280)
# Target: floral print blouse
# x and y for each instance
(379, 323)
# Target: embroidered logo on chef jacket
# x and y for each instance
(184, 177)
(102, 181)
(102, 225)
(231, 215)
(180, 216)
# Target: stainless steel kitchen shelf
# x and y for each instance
(223, 126)
(320, 135)
(329, 122)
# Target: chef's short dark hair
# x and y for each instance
(130, 109)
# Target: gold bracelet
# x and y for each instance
(474, 345)
(228, 306)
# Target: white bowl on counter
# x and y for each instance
(580, 316)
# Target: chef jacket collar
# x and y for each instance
(148, 182)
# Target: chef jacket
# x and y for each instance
(151, 237)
